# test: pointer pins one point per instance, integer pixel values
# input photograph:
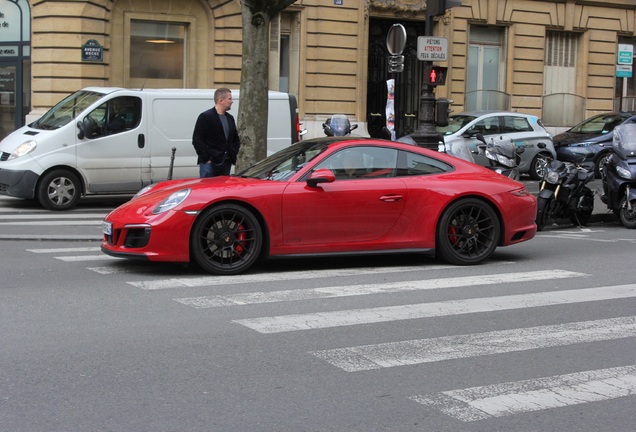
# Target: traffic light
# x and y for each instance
(442, 109)
(435, 75)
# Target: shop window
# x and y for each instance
(157, 51)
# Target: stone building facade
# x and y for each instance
(557, 58)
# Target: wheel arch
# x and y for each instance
(257, 214)
(66, 168)
(492, 205)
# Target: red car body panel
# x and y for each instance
(379, 214)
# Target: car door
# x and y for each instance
(110, 155)
(360, 206)
(489, 127)
(524, 135)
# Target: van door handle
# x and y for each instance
(141, 140)
(391, 198)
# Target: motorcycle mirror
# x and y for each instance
(480, 137)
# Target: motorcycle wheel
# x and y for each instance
(543, 213)
(627, 217)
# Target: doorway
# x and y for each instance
(407, 83)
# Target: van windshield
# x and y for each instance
(66, 110)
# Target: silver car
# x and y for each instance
(524, 130)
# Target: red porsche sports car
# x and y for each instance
(326, 196)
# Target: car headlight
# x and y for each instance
(552, 177)
(172, 201)
(623, 173)
(23, 149)
(144, 190)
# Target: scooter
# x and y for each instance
(619, 175)
(338, 125)
(564, 193)
(502, 154)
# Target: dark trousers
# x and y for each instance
(211, 169)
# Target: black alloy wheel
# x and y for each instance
(59, 190)
(226, 239)
(468, 232)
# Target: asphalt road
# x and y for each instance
(539, 338)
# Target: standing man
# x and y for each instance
(215, 137)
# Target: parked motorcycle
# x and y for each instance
(619, 175)
(502, 154)
(564, 193)
(338, 125)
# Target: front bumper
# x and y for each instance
(18, 184)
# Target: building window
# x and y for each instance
(157, 51)
(562, 107)
(486, 69)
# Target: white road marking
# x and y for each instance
(80, 258)
(377, 356)
(55, 223)
(505, 399)
(297, 322)
(62, 250)
(365, 289)
(279, 276)
(50, 216)
(118, 270)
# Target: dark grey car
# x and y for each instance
(591, 140)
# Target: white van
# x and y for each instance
(101, 141)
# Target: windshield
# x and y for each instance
(624, 140)
(66, 110)
(283, 164)
(455, 123)
(600, 124)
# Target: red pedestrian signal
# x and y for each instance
(435, 75)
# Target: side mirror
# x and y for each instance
(355, 126)
(80, 133)
(322, 175)
(480, 137)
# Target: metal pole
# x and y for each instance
(426, 135)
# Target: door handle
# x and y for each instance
(391, 198)
(141, 140)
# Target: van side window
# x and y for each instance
(113, 117)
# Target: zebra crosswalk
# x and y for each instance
(490, 400)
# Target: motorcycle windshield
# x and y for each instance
(340, 125)
(624, 141)
(504, 147)
(460, 150)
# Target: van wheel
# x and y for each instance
(59, 190)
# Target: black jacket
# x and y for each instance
(209, 140)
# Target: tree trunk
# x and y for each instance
(253, 112)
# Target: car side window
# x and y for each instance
(362, 163)
(415, 164)
(112, 117)
(487, 126)
(516, 124)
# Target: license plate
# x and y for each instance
(107, 228)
